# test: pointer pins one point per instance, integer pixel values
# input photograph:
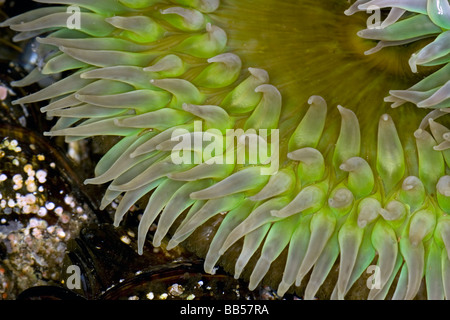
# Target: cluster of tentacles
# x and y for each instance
(143, 69)
(407, 22)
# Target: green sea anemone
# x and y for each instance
(259, 174)
(423, 20)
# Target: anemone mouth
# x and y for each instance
(304, 60)
(284, 39)
(355, 183)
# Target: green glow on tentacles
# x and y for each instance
(357, 185)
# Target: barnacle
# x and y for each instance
(355, 186)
